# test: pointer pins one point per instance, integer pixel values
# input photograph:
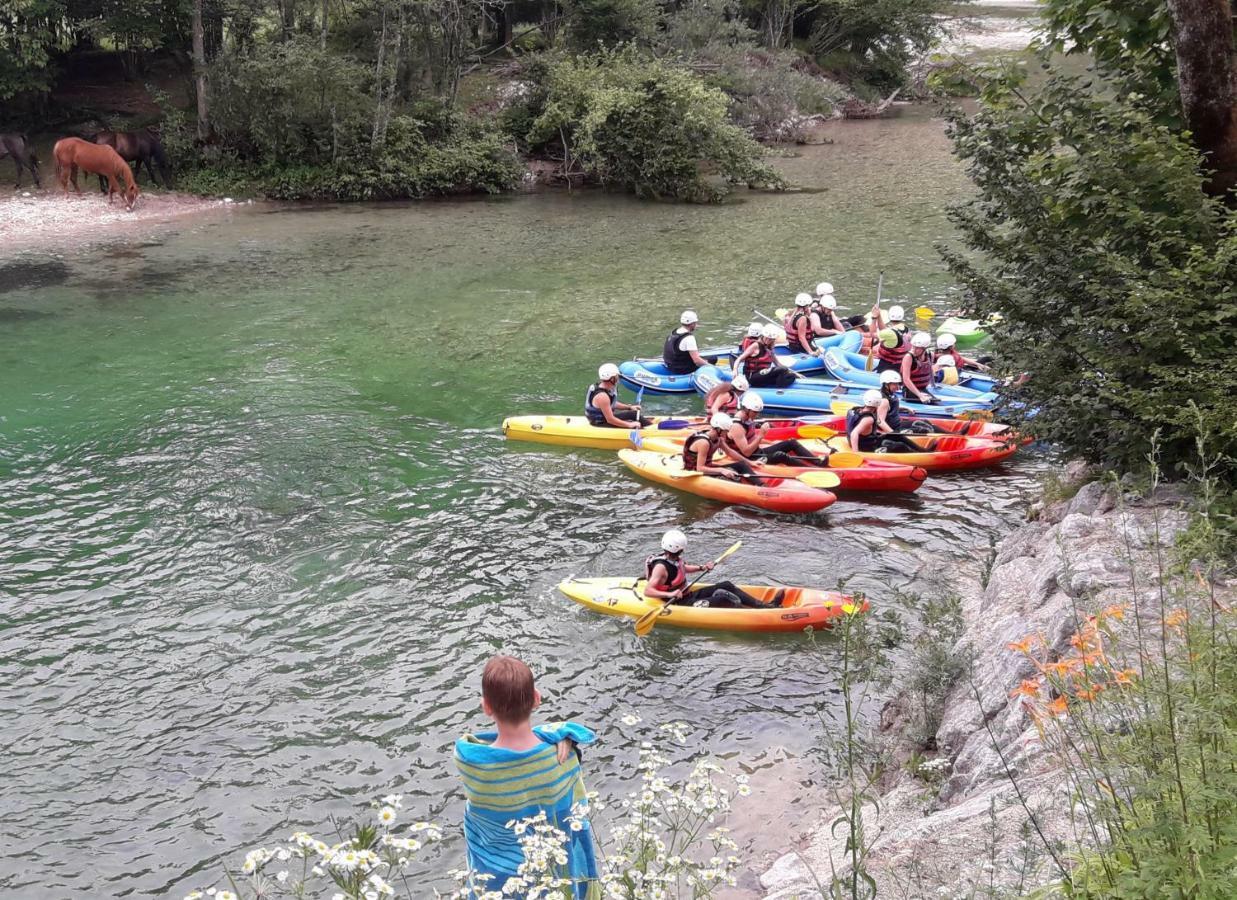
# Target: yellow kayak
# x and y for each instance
(576, 431)
(800, 607)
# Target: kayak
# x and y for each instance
(800, 607)
(815, 395)
(853, 474)
(941, 453)
(968, 379)
(786, 495)
(652, 374)
(849, 367)
(965, 427)
(969, 332)
(577, 431)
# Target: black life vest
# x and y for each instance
(594, 414)
(921, 370)
(893, 356)
(854, 416)
(689, 445)
(676, 573)
(759, 362)
(678, 361)
(893, 418)
(792, 334)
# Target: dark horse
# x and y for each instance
(19, 147)
(141, 146)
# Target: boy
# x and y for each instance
(515, 773)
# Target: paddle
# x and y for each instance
(871, 363)
(645, 623)
(923, 312)
(820, 479)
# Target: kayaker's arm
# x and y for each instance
(602, 402)
(744, 447)
(882, 423)
(711, 397)
(655, 587)
(833, 327)
(863, 429)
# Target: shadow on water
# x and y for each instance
(22, 275)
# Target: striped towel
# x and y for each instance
(503, 786)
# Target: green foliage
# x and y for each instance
(644, 125)
(609, 23)
(936, 664)
(29, 33)
(1115, 275)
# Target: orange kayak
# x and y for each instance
(777, 494)
(964, 427)
(940, 453)
(800, 607)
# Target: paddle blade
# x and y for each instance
(840, 407)
(820, 479)
(673, 425)
(634, 437)
(645, 623)
(845, 459)
(816, 431)
(923, 312)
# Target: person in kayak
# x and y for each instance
(947, 346)
(666, 574)
(724, 397)
(827, 321)
(680, 353)
(889, 414)
(602, 406)
(800, 327)
(701, 446)
(745, 438)
(752, 336)
(917, 370)
(864, 431)
(892, 342)
(759, 362)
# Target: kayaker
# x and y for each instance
(602, 406)
(827, 321)
(752, 336)
(864, 432)
(889, 414)
(947, 345)
(745, 438)
(680, 353)
(892, 342)
(759, 361)
(916, 367)
(800, 329)
(666, 579)
(701, 446)
(725, 396)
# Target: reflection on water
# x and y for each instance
(260, 530)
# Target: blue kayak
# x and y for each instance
(850, 368)
(967, 378)
(652, 375)
(814, 396)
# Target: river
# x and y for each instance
(259, 529)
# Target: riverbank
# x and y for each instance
(948, 820)
(48, 219)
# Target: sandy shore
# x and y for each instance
(34, 219)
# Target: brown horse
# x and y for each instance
(74, 153)
(19, 147)
(142, 146)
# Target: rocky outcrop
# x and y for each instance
(963, 826)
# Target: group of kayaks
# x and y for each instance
(814, 413)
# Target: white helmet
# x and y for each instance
(945, 341)
(689, 317)
(674, 541)
(739, 382)
(824, 288)
(947, 359)
(754, 329)
(608, 371)
(771, 332)
(896, 314)
(871, 398)
(803, 299)
(752, 402)
(921, 339)
(721, 420)
(889, 376)
(828, 301)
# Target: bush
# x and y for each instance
(608, 23)
(644, 125)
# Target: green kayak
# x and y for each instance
(969, 332)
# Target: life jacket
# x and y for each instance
(921, 370)
(677, 361)
(747, 341)
(676, 573)
(893, 418)
(893, 355)
(689, 445)
(762, 361)
(854, 416)
(594, 414)
(792, 334)
(731, 403)
(749, 429)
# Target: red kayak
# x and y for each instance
(784, 430)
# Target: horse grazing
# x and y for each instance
(19, 147)
(74, 153)
(141, 146)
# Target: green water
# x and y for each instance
(259, 530)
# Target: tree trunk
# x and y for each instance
(325, 20)
(1207, 78)
(199, 72)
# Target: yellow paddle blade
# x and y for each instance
(729, 552)
(923, 312)
(645, 623)
(781, 313)
(845, 459)
(820, 479)
(839, 443)
(816, 431)
(841, 407)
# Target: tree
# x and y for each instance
(199, 73)
(1207, 75)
